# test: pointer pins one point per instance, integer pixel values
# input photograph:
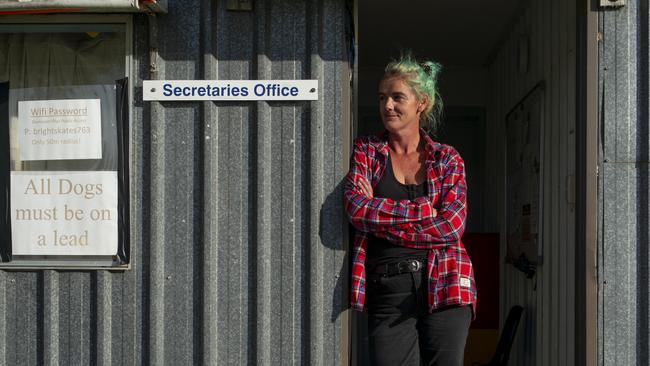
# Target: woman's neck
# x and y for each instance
(404, 142)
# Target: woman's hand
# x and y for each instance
(365, 187)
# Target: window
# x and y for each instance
(64, 114)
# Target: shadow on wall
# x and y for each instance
(333, 232)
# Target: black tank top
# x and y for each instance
(381, 251)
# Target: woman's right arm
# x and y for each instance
(376, 215)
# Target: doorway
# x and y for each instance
(493, 55)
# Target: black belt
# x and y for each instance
(392, 269)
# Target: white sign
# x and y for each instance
(64, 213)
(60, 129)
(230, 90)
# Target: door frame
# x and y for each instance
(586, 295)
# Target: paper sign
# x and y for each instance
(233, 90)
(64, 213)
(60, 129)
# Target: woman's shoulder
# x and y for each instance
(369, 142)
(443, 153)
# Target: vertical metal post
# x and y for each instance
(587, 184)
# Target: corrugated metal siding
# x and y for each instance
(237, 228)
(624, 182)
(546, 334)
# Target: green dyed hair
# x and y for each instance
(422, 78)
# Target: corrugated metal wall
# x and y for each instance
(237, 227)
(624, 183)
(546, 334)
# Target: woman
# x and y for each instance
(406, 196)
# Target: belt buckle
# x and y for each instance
(409, 266)
(416, 265)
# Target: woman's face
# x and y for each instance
(398, 105)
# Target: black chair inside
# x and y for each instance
(502, 353)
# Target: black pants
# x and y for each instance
(401, 331)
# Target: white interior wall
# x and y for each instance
(546, 334)
(463, 86)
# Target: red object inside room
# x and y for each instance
(483, 250)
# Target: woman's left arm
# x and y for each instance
(448, 226)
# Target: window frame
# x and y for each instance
(126, 20)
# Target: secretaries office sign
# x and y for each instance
(230, 90)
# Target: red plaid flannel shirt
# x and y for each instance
(409, 223)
